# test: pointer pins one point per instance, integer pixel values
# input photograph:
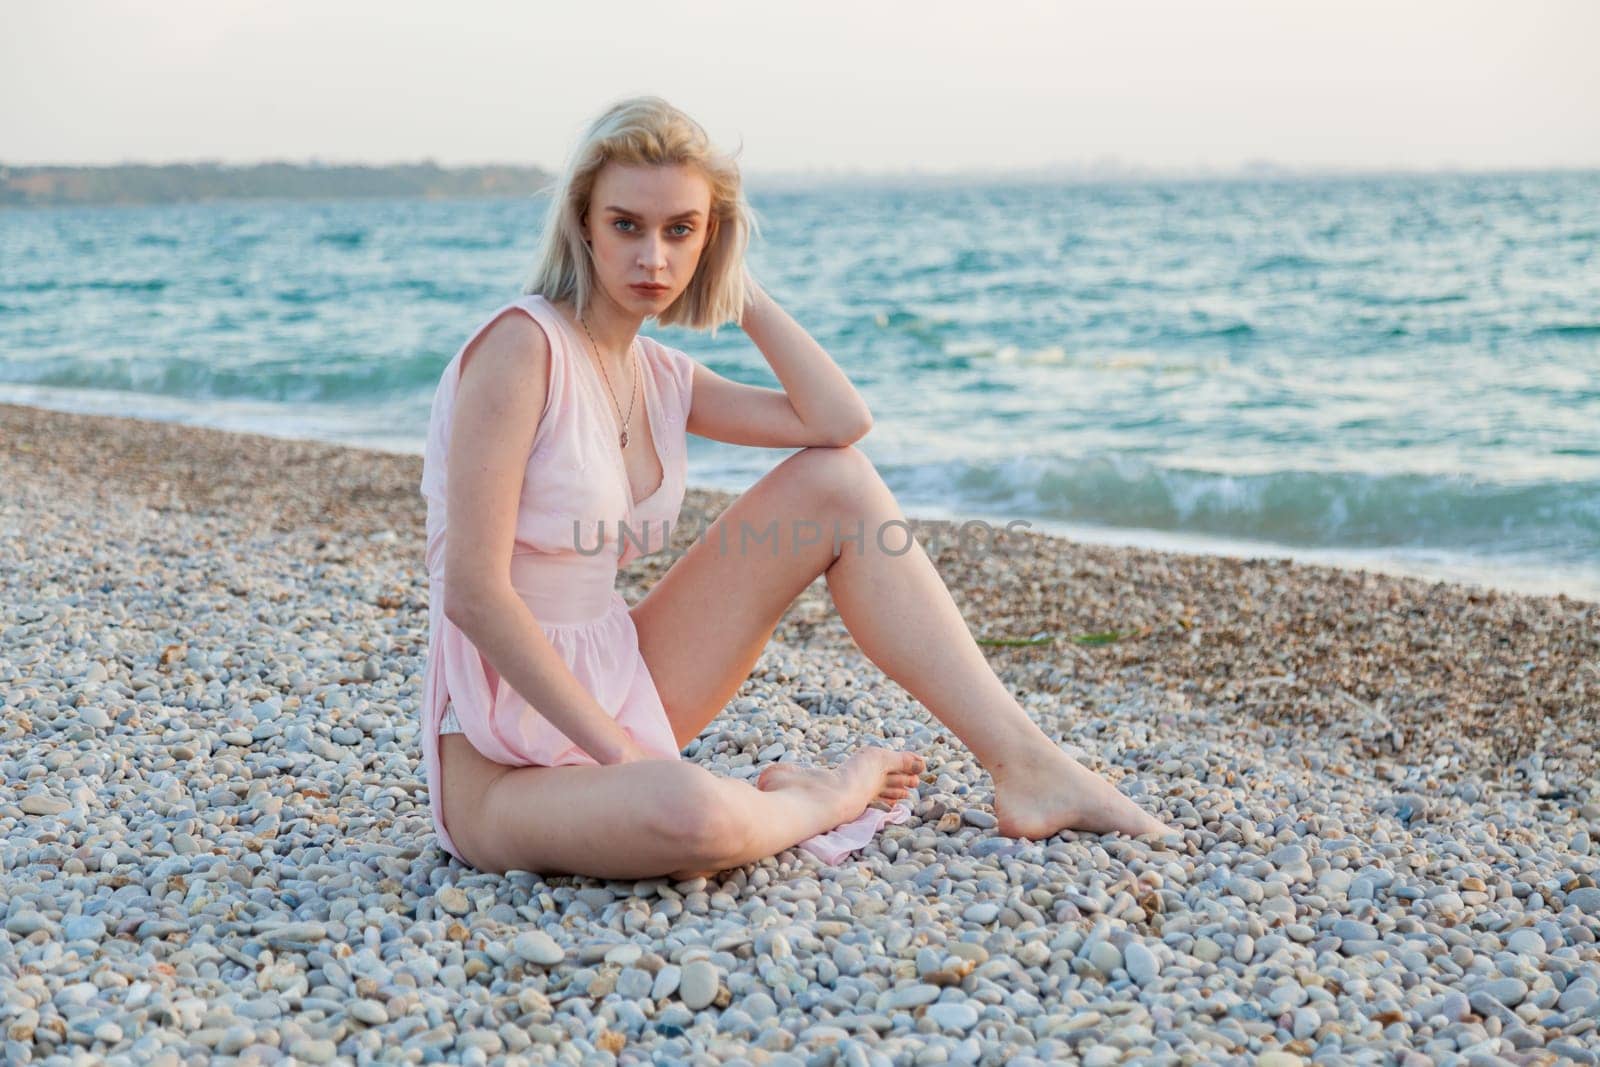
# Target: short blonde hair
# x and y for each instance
(648, 130)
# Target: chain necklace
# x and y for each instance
(623, 437)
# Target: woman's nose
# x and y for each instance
(652, 256)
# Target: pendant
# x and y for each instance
(624, 438)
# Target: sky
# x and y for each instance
(823, 87)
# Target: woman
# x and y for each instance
(563, 431)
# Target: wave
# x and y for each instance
(1292, 507)
(1576, 329)
(288, 381)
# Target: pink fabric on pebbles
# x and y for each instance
(834, 845)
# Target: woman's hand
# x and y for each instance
(633, 752)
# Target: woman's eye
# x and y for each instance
(685, 227)
(622, 222)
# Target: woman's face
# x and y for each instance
(647, 226)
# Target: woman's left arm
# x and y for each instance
(816, 406)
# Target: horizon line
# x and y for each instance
(1102, 167)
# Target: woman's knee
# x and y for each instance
(700, 816)
(836, 475)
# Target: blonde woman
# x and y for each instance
(563, 432)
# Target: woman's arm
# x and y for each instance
(497, 409)
(816, 406)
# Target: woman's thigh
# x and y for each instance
(704, 623)
(632, 820)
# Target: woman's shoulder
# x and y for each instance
(516, 335)
(676, 367)
(666, 354)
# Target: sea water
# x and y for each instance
(1394, 371)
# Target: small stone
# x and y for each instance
(84, 928)
(295, 933)
(536, 946)
(1526, 941)
(313, 1049)
(1454, 1006)
(959, 1017)
(634, 983)
(1141, 963)
(983, 912)
(453, 900)
(1586, 900)
(40, 804)
(1578, 998)
(1508, 991)
(1351, 930)
(28, 922)
(1277, 1057)
(624, 955)
(666, 982)
(699, 984)
(1105, 957)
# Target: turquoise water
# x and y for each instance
(1394, 371)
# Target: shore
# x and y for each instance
(217, 841)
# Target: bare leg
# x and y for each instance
(706, 621)
(646, 819)
(901, 614)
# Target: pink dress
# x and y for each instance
(568, 546)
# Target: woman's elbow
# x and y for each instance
(463, 605)
(853, 431)
(456, 608)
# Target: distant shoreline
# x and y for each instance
(181, 183)
(48, 185)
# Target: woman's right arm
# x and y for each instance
(497, 407)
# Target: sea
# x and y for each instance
(1398, 372)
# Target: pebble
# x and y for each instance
(1106, 957)
(949, 1016)
(1508, 991)
(1141, 963)
(536, 946)
(698, 985)
(1526, 941)
(1586, 899)
(982, 913)
(38, 804)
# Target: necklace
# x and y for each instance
(623, 437)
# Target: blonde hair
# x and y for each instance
(648, 130)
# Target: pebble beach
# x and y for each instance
(217, 845)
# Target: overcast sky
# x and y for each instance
(856, 86)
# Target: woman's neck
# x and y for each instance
(612, 329)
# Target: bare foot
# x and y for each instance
(872, 774)
(1059, 793)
